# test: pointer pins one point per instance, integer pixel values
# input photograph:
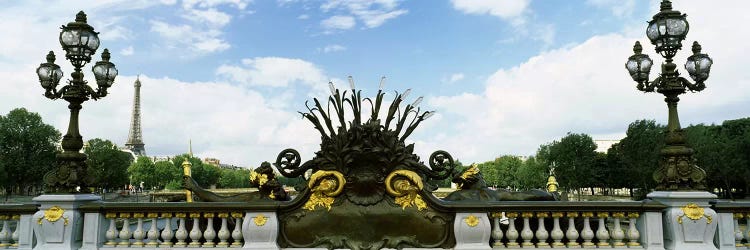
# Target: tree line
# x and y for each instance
(723, 151)
(28, 147)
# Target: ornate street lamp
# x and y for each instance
(80, 41)
(677, 167)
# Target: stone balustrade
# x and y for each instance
(15, 225)
(477, 225)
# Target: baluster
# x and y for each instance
(5, 232)
(195, 232)
(747, 233)
(633, 234)
(111, 234)
(737, 231)
(526, 233)
(587, 234)
(167, 233)
(557, 233)
(541, 233)
(601, 232)
(125, 232)
(617, 234)
(181, 233)
(224, 231)
(138, 234)
(153, 232)
(497, 233)
(512, 233)
(572, 232)
(14, 236)
(210, 233)
(237, 232)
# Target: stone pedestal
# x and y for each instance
(689, 222)
(260, 229)
(58, 225)
(472, 231)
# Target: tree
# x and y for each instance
(206, 175)
(574, 157)
(532, 174)
(27, 149)
(639, 154)
(234, 178)
(154, 175)
(107, 165)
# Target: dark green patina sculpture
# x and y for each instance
(472, 187)
(677, 167)
(367, 186)
(80, 42)
(262, 178)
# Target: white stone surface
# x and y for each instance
(260, 236)
(472, 238)
(652, 232)
(725, 234)
(690, 234)
(66, 233)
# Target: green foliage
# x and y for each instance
(501, 172)
(574, 157)
(154, 175)
(27, 149)
(174, 185)
(722, 150)
(231, 178)
(106, 164)
(205, 174)
(637, 155)
(532, 174)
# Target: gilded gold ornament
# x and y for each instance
(693, 212)
(405, 190)
(260, 220)
(471, 172)
(53, 214)
(324, 188)
(471, 221)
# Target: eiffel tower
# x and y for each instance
(135, 138)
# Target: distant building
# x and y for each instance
(212, 161)
(604, 145)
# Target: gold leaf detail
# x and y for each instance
(587, 214)
(511, 215)
(693, 212)
(527, 214)
(223, 215)
(633, 215)
(260, 220)
(471, 172)
(237, 215)
(557, 214)
(325, 185)
(406, 189)
(471, 221)
(497, 214)
(53, 214)
(208, 215)
(152, 215)
(138, 215)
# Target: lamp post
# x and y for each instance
(80, 41)
(677, 167)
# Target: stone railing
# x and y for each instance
(477, 225)
(15, 225)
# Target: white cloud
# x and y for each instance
(303, 17)
(127, 51)
(272, 71)
(585, 88)
(619, 8)
(210, 17)
(453, 78)
(511, 10)
(185, 36)
(371, 13)
(332, 48)
(338, 23)
(239, 4)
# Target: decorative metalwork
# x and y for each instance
(263, 178)
(80, 42)
(325, 186)
(677, 167)
(472, 187)
(260, 220)
(405, 186)
(471, 221)
(694, 213)
(53, 214)
(366, 170)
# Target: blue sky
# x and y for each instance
(504, 75)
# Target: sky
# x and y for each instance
(504, 76)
